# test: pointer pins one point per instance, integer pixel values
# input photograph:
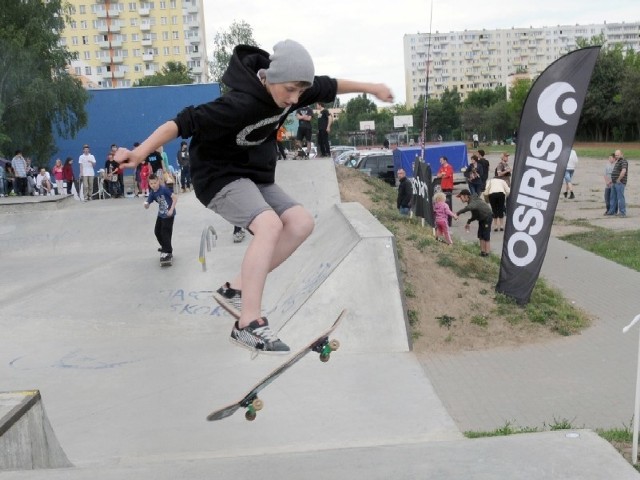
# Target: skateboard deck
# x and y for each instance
(166, 263)
(321, 345)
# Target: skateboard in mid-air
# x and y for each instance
(166, 262)
(321, 345)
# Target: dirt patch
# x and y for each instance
(452, 313)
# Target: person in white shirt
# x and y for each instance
(87, 161)
(43, 183)
(568, 174)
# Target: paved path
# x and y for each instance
(588, 379)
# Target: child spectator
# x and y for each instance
(442, 212)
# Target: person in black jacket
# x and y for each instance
(405, 193)
(233, 160)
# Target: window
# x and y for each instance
(85, 40)
(84, 24)
(83, 9)
(87, 55)
(87, 70)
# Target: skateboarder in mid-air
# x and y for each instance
(233, 159)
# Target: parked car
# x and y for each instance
(338, 149)
(378, 164)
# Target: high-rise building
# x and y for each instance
(121, 42)
(484, 59)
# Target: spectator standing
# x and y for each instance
(155, 162)
(57, 175)
(185, 167)
(67, 174)
(145, 174)
(608, 169)
(503, 170)
(618, 184)
(304, 116)
(405, 193)
(87, 173)
(568, 174)
(19, 165)
(484, 163)
(481, 212)
(474, 176)
(324, 128)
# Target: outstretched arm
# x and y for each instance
(163, 134)
(380, 90)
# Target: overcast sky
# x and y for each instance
(363, 40)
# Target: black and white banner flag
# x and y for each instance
(422, 191)
(547, 129)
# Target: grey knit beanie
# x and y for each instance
(290, 62)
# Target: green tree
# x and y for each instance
(37, 94)
(600, 110)
(517, 96)
(223, 44)
(174, 73)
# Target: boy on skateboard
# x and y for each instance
(233, 159)
(166, 214)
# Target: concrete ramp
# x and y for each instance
(27, 441)
(349, 256)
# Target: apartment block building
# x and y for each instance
(484, 59)
(120, 42)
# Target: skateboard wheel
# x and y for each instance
(334, 344)
(257, 404)
(250, 415)
(324, 357)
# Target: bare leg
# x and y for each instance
(274, 240)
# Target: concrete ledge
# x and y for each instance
(27, 440)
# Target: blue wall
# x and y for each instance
(456, 153)
(127, 115)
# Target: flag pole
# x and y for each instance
(636, 412)
(426, 101)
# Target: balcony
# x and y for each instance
(115, 59)
(143, 12)
(116, 74)
(147, 42)
(108, 28)
(147, 57)
(194, 40)
(145, 27)
(150, 73)
(195, 55)
(105, 45)
(196, 70)
(108, 13)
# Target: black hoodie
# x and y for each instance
(235, 135)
